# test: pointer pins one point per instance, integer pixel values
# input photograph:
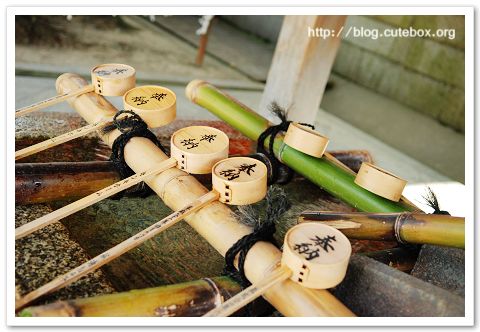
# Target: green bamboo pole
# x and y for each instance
(417, 228)
(193, 298)
(320, 171)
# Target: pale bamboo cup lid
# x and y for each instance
(198, 148)
(156, 105)
(240, 180)
(113, 79)
(305, 140)
(380, 182)
(317, 254)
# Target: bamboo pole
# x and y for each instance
(215, 221)
(192, 299)
(419, 228)
(46, 182)
(324, 172)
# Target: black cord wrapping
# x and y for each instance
(277, 204)
(130, 126)
(271, 132)
(432, 201)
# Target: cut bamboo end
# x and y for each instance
(380, 182)
(191, 89)
(198, 148)
(250, 293)
(156, 105)
(317, 254)
(113, 79)
(240, 180)
(306, 140)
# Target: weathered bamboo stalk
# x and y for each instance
(191, 299)
(214, 222)
(321, 171)
(91, 199)
(419, 228)
(186, 299)
(47, 182)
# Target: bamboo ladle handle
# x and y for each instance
(71, 135)
(206, 153)
(82, 203)
(111, 79)
(250, 293)
(159, 113)
(118, 250)
(52, 101)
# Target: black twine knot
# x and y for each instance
(130, 126)
(271, 132)
(432, 201)
(277, 204)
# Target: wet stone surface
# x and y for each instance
(374, 289)
(37, 127)
(443, 267)
(48, 253)
(46, 124)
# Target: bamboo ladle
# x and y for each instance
(194, 149)
(369, 177)
(112, 79)
(156, 106)
(236, 181)
(314, 256)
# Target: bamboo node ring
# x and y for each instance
(397, 226)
